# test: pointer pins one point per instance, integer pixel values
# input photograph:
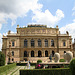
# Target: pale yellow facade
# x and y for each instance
(35, 32)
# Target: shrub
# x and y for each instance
(57, 71)
(72, 66)
(7, 67)
(2, 59)
(24, 64)
(61, 60)
(39, 61)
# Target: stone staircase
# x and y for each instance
(34, 59)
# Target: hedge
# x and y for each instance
(61, 60)
(7, 67)
(24, 64)
(54, 71)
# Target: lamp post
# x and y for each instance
(9, 53)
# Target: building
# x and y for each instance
(73, 46)
(35, 41)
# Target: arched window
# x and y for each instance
(39, 54)
(46, 53)
(25, 43)
(53, 53)
(64, 51)
(25, 53)
(39, 43)
(13, 43)
(46, 43)
(32, 43)
(64, 44)
(52, 42)
(32, 53)
(12, 53)
(12, 59)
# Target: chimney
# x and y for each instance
(67, 32)
(74, 40)
(9, 32)
(17, 26)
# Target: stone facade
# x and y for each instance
(35, 41)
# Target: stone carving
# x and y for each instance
(57, 57)
(68, 56)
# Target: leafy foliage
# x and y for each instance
(57, 71)
(2, 59)
(39, 61)
(72, 66)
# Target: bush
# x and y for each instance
(24, 64)
(39, 61)
(57, 71)
(72, 66)
(7, 67)
(2, 59)
(61, 60)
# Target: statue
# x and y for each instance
(57, 57)
(50, 57)
(68, 56)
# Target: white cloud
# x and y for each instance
(70, 28)
(0, 41)
(47, 18)
(73, 11)
(16, 8)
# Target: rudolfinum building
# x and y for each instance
(34, 42)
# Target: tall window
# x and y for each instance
(39, 43)
(64, 44)
(25, 43)
(32, 53)
(12, 53)
(46, 43)
(25, 53)
(32, 43)
(52, 42)
(13, 43)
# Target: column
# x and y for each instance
(29, 53)
(29, 43)
(48, 42)
(43, 44)
(36, 43)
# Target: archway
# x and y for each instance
(39, 54)
(32, 53)
(46, 53)
(53, 53)
(25, 53)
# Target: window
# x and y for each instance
(12, 43)
(25, 53)
(52, 42)
(64, 44)
(12, 59)
(32, 43)
(46, 43)
(12, 53)
(39, 43)
(32, 53)
(25, 43)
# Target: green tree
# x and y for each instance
(72, 66)
(2, 59)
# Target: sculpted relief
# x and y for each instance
(37, 31)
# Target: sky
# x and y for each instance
(47, 12)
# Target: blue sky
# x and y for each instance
(48, 12)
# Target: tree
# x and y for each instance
(72, 66)
(2, 59)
